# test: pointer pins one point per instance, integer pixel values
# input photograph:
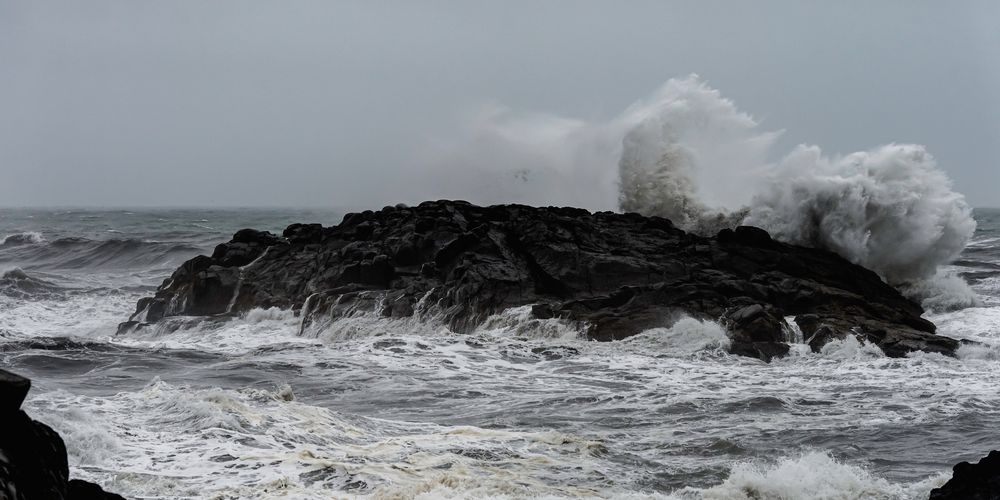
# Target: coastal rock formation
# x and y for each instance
(32, 456)
(979, 481)
(614, 274)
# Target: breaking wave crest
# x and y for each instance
(27, 238)
(686, 335)
(813, 475)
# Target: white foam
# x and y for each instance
(252, 330)
(171, 439)
(890, 209)
(367, 324)
(167, 440)
(94, 314)
(850, 348)
(687, 335)
(987, 242)
(944, 291)
(689, 154)
(25, 238)
(815, 475)
(519, 322)
(270, 314)
(981, 324)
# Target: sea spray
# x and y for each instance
(685, 336)
(889, 209)
(690, 155)
(693, 157)
(814, 475)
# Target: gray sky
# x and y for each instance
(237, 103)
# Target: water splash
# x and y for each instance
(688, 154)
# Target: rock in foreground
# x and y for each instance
(616, 275)
(32, 456)
(979, 481)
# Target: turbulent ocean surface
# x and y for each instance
(380, 408)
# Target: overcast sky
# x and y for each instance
(296, 103)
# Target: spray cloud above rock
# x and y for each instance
(689, 154)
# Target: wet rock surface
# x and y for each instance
(978, 481)
(33, 461)
(614, 274)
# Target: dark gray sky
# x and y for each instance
(236, 103)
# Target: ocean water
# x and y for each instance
(378, 408)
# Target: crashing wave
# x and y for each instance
(890, 210)
(690, 155)
(694, 158)
(26, 238)
(685, 336)
(815, 475)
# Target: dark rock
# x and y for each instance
(542, 311)
(303, 233)
(246, 246)
(131, 326)
(364, 231)
(618, 274)
(755, 323)
(32, 458)
(979, 481)
(83, 490)
(752, 236)
(253, 236)
(13, 389)
(757, 331)
(818, 333)
(762, 350)
(823, 335)
(428, 270)
(33, 461)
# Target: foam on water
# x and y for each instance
(257, 443)
(94, 314)
(177, 441)
(257, 406)
(519, 322)
(944, 291)
(252, 330)
(850, 348)
(26, 238)
(686, 335)
(816, 476)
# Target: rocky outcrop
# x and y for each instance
(614, 274)
(32, 456)
(979, 481)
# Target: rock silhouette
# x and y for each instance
(615, 275)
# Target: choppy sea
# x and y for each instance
(382, 408)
